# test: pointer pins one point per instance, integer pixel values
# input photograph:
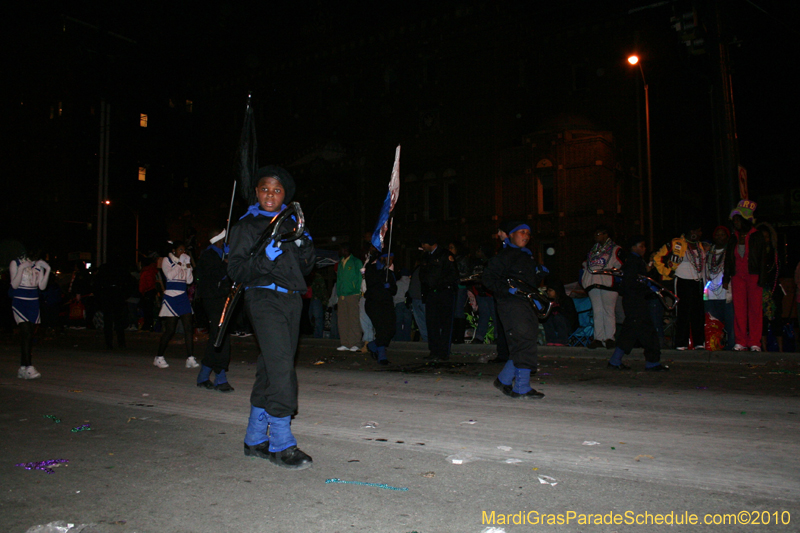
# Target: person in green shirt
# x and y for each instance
(348, 287)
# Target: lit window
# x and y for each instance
(143, 120)
(142, 173)
(188, 106)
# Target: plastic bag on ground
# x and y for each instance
(60, 526)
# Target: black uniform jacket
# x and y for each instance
(511, 262)
(286, 271)
(376, 279)
(211, 275)
(634, 293)
(438, 271)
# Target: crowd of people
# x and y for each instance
(501, 294)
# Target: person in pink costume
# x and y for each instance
(744, 271)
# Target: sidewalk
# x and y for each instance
(468, 352)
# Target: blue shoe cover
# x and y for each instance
(381, 353)
(506, 375)
(257, 427)
(280, 433)
(205, 373)
(522, 381)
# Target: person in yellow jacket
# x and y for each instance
(683, 259)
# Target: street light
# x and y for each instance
(634, 60)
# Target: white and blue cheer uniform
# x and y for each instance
(179, 276)
(25, 298)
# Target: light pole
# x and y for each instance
(634, 60)
(136, 216)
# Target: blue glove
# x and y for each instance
(273, 250)
(226, 248)
(385, 285)
(307, 236)
(513, 290)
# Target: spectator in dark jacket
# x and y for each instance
(111, 285)
(148, 288)
(563, 318)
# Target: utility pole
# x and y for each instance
(102, 182)
(724, 114)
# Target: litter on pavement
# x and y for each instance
(47, 466)
(365, 484)
(62, 527)
(460, 458)
(547, 480)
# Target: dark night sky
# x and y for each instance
(182, 46)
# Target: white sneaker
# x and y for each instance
(160, 362)
(28, 372)
(752, 349)
(343, 348)
(355, 349)
(739, 348)
(191, 362)
(682, 348)
(701, 347)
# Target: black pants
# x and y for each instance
(638, 326)
(381, 313)
(115, 317)
(216, 358)
(439, 320)
(500, 338)
(521, 327)
(691, 314)
(148, 302)
(275, 318)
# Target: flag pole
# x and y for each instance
(235, 181)
(230, 215)
(389, 248)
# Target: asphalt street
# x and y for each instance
(415, 446)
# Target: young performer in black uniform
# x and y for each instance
(638, 324)
(516, 313)
(274, 282)
(213, 286)
(381, 288)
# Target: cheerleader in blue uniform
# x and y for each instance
(29, 275)
(177, 268)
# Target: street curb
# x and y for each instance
(685, 356)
